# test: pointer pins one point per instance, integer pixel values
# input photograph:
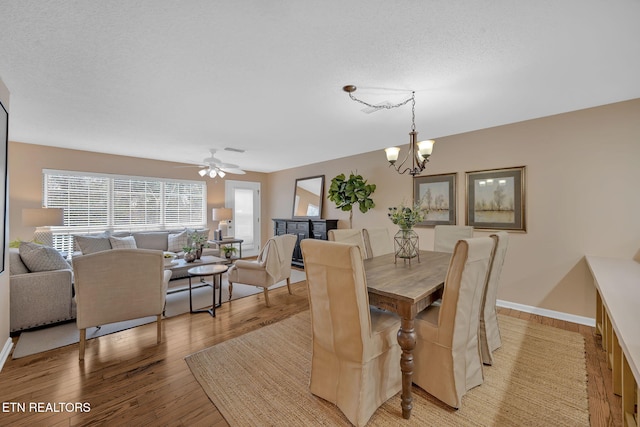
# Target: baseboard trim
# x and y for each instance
(6, 351)
(588, 321)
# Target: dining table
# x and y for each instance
(406, 289)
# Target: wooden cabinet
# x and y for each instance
(303, 229)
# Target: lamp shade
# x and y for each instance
(41, 217)
(222, 214)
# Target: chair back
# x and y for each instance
(119, 284)
(489, 331)
(276, 255)
(463, 292)
(377, 241)
(338, 298)
(446, 236)
(349, 235)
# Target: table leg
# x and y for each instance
(213, 306)
(190, 299)
(407, 341)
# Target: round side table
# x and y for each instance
(215, 271)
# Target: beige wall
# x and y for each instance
(581, 193)
(4, 276)
(582, 175)
(27, 161)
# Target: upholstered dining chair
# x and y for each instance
(377, 241)
(446, 236)
(349, 235)
(117, 285)
(489, 329)
(272, 266)
(356, 357)
(447, 353)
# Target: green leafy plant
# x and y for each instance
(347, 192)
(228, 250)
(406, 217)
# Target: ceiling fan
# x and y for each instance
(212, 166)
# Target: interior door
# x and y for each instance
(243, 198)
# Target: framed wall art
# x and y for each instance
(496, 199)
(4, 135)
(438, 195)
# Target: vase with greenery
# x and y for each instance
(198, 242)
(406, 243)
(347, 192)
(189, 254)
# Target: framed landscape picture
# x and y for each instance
(496, 199)
(438, 196)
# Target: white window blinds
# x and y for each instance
(99, 202)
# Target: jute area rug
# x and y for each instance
(261, 379)
(177, 303)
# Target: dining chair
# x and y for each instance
(349, 235)
(377, 241)
(447, 353)
(446, 236)
(272, 266)
(117, 285)
(356, 357)
(489, 329)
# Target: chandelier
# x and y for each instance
(419, 152)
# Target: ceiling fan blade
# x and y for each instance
(234, 171)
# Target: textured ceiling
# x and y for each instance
(169, 80)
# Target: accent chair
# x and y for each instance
(272, 266)
(117, 285)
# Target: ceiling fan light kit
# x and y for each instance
(418, 151)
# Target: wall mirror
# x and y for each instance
(307, 197)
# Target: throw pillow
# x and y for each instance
(178, 241)
(41, 258)
(122, 242)
(92, 244)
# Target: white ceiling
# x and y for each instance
(169, 80)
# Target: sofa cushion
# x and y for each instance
(178, 241)
(152, 240)
(16, 266)
(41, 258)
(122, 242)
(91, 244)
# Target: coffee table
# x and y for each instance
(179, 267)
(215, 271)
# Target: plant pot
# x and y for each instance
(189, 257)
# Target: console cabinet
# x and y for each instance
(303, 229)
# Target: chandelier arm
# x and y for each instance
(379, 107)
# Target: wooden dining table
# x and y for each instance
(406, 289)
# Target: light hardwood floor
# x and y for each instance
(129, 380)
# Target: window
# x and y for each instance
(98, 202)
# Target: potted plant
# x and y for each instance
(198, 241)
(189, 253)
(405, 242)
(347, 192)
(228, 250)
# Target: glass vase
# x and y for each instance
(406, 245)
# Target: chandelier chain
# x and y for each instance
(385, 106)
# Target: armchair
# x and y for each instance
(272, 266)
(118, 285)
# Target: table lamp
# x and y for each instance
(43, 219)
(224, 217)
